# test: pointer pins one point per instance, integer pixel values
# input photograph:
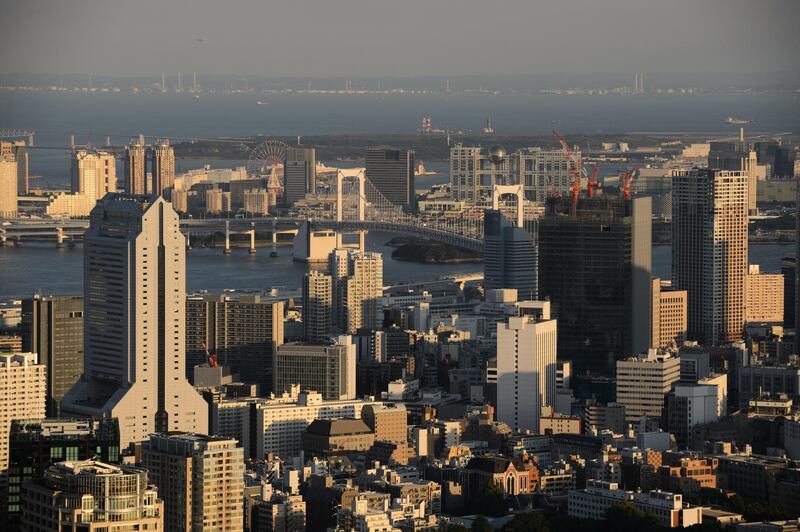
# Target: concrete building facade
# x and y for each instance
(135, 320)
(644, 382)
(23, 387)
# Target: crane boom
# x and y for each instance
(572, 169)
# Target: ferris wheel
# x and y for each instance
(264, 160)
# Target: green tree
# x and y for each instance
(627, 518)
(529, 522)
(491, 502)
(481, 524)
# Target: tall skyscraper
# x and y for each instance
(709, 250)
(317, 306)
(136, 168)
(509, 256)
(526, 366)
(162, 160)
(93, 494)
(52, 326)
(134, 316)
(392, 173)
(299, 174)
(242, 331)
(738, 157)
(328, 369)
(94, 173)
(8, 187)
(200, 478)
(22, 387)
(17, 151)
(595, 268)
(357, 283)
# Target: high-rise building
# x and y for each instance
(709, 250)
(327, 369)
(94, 173)
(243, 332)
(256, 201)
(594, 266)
(474, 171)
(668, 315)
(392, 173)
(789, 271)
(689, 405)
(52, 326)
(643, 383)
(93, 496)
(509, 256)
(299, 174)
(22, 387)
(8, 187)
(739, 158)
(17, 152)
(136, 168)
(526, 366)
(763, 296)
(35, 445)
(357, 283)
(200, 478)
(317, 306)
(162, 160)
(134, 321)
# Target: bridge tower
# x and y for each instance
(498, 191)
(341, 175)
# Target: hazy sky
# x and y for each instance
(397, 38)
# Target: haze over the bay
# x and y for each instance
(397, 38)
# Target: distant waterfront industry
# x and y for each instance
(564, 386)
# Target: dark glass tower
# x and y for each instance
(392, 173)
(509, 256)
(595, 268)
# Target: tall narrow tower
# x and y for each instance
(135, 168)
(162, 160)
(134, 322)
(709, 250)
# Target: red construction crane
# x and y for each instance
(212, 359)
(572, 169)
(625, 180)
(592, 182)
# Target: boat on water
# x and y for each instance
(737, 121)
(259, 102)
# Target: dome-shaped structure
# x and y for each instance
(497, 154)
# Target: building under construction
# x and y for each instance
(595, 268)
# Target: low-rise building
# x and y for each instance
(668, 508)
(325, 437)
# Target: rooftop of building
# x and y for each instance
(338, 427)
(92, 468)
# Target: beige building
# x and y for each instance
(23, 392)
(162, 157)
(91, 496)
(134, 317)
(526, 365)
(644, 382)
(328, 369)
(200, 478)
(669, 315)
(136, 168)
(324, 437)
(388, 422)
(357, 289)
(72, 205)
(279, 421)
(8, 187)
(764, 296)
(317, 306)
(17, 152)
(94, 174)
(258, 200)
(709, 250)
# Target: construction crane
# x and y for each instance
(625, 180)
(572, 169)
(212, 359)
(592, 182)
